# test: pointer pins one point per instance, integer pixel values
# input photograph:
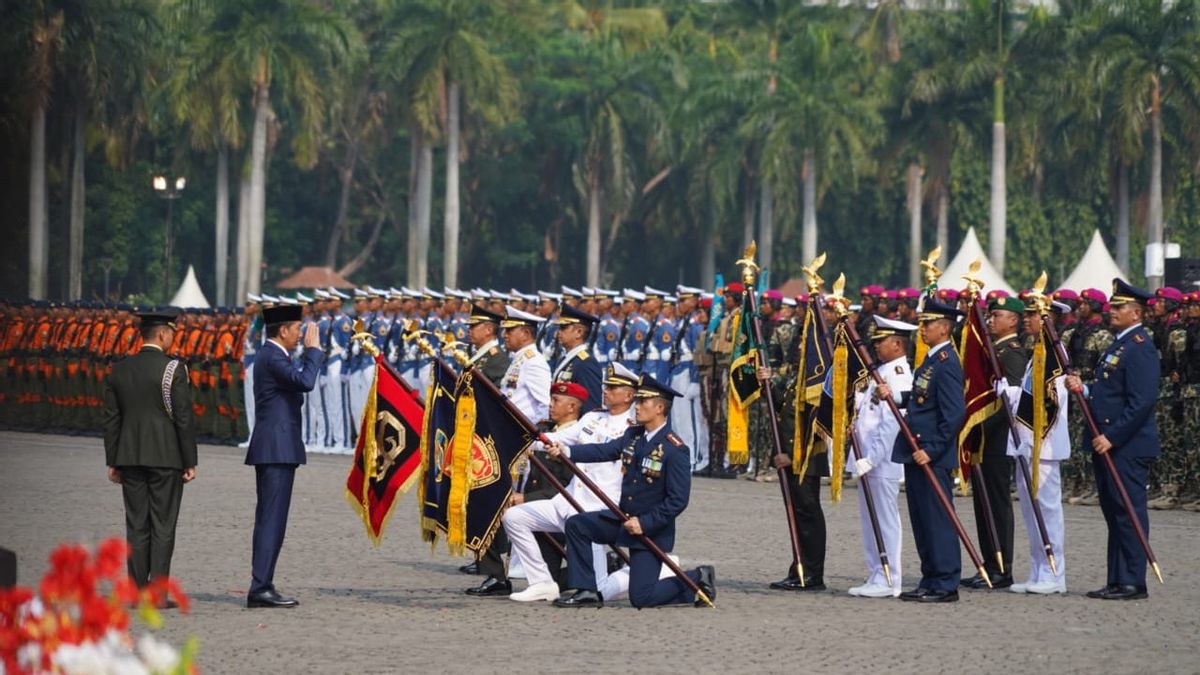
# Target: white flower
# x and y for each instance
(158, 656)
(29, 656)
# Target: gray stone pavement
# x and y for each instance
(400, 608)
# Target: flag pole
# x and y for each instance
(749, 268)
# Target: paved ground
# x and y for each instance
(400, 608)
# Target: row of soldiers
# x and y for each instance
(54, 358)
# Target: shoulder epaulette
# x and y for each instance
(1139, 338)
(529, 353)
(674, 440)
(583, 356)
(943, 355)
(1014, 345)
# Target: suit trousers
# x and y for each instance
(274, 487)
(646, 589)
(548, 516)
(1049, 500)
(997, 469)
(152, 498)
(933, 532)
(810, 518)
(884, 491)
(1126, 559)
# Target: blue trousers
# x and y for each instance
(933, 532)
(1126, 559)
(274, 487)
(645, 588)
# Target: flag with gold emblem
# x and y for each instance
(982, 401)
(744, 387)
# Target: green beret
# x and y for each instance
(1010, 304)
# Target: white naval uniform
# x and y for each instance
(1055, 448)
(527, 383)
(550, 515)
(876, 428)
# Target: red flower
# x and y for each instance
(111, 556)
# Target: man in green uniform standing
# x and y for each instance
(150, 445)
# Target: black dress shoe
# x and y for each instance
(492, 588)
(707, 583)
(580, 598)
(914, 594)
(793, 583)
(978, 583)
(938, 596)
(724, 473)
(269, 599)
(614, 562)
(1122, 592)
(1103, 591)
(471, 568)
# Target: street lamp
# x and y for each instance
(169, 191)
(106, 264)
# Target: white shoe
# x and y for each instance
(876, 591)
(545, 591)
(1047, 587)
(515, 571)
(1019, 588)
(244, 444)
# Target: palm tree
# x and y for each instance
(45, 38)
(443, 47)
(1149, 60)
(286, 50)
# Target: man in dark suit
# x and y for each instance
(578, 365)
(1123, 397)
(936, 409)
(150, 445)
(654, 491)
(276, 446)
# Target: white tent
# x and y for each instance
(189, 293)
(968, 253)
(1096, 269)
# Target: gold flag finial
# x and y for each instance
(749, 267)
(840, 303)
(974, 283)
(810, 272)
(1038, 293)
(932, 273)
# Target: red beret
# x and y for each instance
(773, 295)
(1065, 294)
(735, 287)
(1169, 293)
(997, 293)
(802, 298)
(1093, 295)
(872, 290)
(706, 301)
(572, 389)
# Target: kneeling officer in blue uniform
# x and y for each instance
(654, 491)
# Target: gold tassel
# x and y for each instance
(798, 407)
(370, 448)
(464, 439)
(428, 525)
(737, 441)
(840, 421)
(1039, 409)
(922, 350)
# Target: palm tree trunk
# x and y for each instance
(808, 246)
(748, 213)
(258, 190)
(998, 224)
(75, 229)
(708, 255)
(424, 211)
(914, 223)
(766, 224)
(221, 223)
(1155, 214)
(39, 258)
(1123, 217)
(243, 235)
(943, 222)
(347, 179)
(593, 233)
(450, 237)
(414, 169)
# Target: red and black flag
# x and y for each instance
(387, 456)
(437, 430)
(835, 412)
(1038, 406)
(980, 392)
(479, 466)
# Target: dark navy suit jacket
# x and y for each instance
(279, 388)
(656, 484)
(936, 409)
(584, 370)
(1124, 395)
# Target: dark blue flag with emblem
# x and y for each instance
(812, 359)
(437, 430)
(484, 459)
(835, 412)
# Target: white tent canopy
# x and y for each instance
(1096, 269)
(189, 293)
(968, 253)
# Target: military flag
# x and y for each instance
(835, 412)
(1038, 406)
(812, 359)
(387, 456)
(982, 402)
(437, 430)
(744, 387)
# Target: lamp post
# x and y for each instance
(170, 191)
(106, 264)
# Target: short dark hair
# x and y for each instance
(148, 332)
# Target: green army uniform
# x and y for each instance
(1168, 473)
(1189, 392)
(1087, 343)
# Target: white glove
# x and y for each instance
(862, 467)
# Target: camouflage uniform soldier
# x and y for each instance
(1170, 337)
(1088, 340)
(1189, 392)
(762, 444)
(720, 346)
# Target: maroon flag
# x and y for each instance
(980, 393)
(387, 457)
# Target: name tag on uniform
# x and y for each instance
(1112, 360)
